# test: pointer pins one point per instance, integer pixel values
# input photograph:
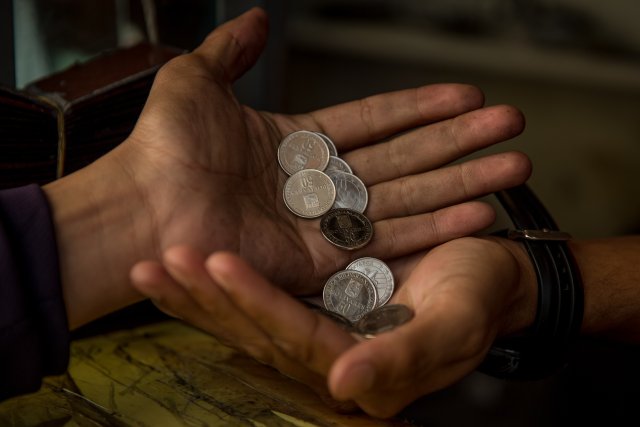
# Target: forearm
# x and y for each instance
(100, 231)
(610, 273)
(610, 270)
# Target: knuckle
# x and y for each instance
(431, 228)
(366, 115)
(168, 71)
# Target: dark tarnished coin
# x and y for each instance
(379, 273)
(382, 319)
(350, 293)
(309, 193)
(303, 150)
(346, 228)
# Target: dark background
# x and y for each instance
(572, 66)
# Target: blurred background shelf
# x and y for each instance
(572, 67)
(502, 57)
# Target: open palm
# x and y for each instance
(207, 169)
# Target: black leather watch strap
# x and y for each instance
(543, 349)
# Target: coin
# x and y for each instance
(309, 193)
(337, 164)
(382, 319)
(330, 145)
(349, 293)
(339, 319)
(303, 150)
(379, 273)
(346, 228)
(351, 192)
(312, 300)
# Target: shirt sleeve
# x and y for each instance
(34, 334)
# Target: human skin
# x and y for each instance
(201, 169)
(465, 293)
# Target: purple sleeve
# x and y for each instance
(34, 336)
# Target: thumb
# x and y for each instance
(234, 47)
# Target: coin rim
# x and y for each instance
(358, 324)
(331, 146)
(341, 161)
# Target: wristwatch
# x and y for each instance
(544, 348)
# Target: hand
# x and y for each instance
(223, 188)
(464, 293)
(220, 186)
(201, 169)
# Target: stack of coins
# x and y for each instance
(381, 319)
(321, 183)
(365, 284)
(357, 297)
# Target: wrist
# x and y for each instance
(610, 273)
(520, 314)
(545, 347)
(101, 230)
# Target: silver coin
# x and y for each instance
(349, 293)
(339, 319)
(383, 319)
(303, 150)
(309, 193)
(337, 164)
(379, 273)
(351, 193)
(346, 229)
(330, 145)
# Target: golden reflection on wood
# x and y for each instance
(169, 374)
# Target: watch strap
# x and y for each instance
(543, 349)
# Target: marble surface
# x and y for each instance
(169, 374)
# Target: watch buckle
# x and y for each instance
(543, 234)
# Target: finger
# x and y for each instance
(358, 375)
(301, 334)
(234, 47)
(433, 146)
(215, 312)
(446, 186)
(458, 303)
(186, 265)
(356, 123)
(386, 373)
(153, 281)
(290, 354)
(401, 236)
(212, 310)
(384, 383)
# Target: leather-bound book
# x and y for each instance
(67, 120)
